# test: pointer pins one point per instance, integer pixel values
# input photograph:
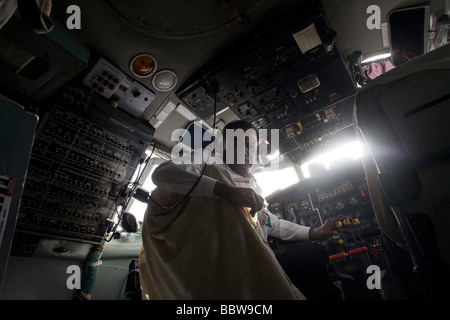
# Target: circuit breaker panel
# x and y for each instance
(85, 151)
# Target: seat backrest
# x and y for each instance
(402, 117)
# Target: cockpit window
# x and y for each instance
(138, 208)
(271, 181)
(135, 207)
(342, 153)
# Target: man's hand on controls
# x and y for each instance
(240, 197)
(325, 231)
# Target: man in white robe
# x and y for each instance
(210, 246)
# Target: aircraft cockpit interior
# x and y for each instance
(352, 98)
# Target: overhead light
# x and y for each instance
(143, 65)
(164, 80)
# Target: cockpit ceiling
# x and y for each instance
(173, 19)
(182, 36)
(187, 36)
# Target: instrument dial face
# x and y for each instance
(291, 218)
(291, 209)
(326, 208)
(339, 204)
(306, 206)
(353, 200)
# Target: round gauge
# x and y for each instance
(291, 217)
(339, 204)
(291, 213)
(326, 208)
(291, 207)
(305, 205)
(353, 200)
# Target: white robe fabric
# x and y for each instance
(206, 249)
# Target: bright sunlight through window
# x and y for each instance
(348, 151)
(272, 181)
(138, 208)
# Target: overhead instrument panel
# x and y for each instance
(84, 152)
(295, 81)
